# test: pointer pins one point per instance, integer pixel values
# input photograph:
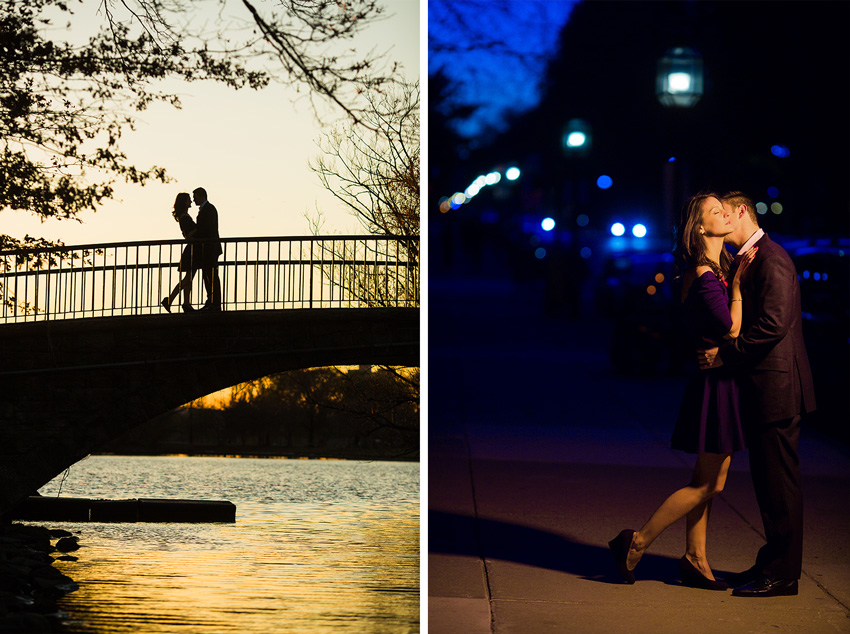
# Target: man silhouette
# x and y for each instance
(210, 248)
(775, 380)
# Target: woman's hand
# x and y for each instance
(743, 265)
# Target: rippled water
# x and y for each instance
(318, 546)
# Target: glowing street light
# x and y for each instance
(679, 78)
(576, 138)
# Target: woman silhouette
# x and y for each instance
(709, 421)
(188, 229)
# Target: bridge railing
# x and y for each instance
(132, 278)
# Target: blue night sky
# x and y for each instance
(495, 52)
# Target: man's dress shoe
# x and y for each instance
(767, 587)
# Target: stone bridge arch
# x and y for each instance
(67, 387)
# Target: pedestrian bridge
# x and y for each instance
(88, 351)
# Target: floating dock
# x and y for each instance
(38, 508)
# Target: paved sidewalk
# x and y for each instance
(539, 455)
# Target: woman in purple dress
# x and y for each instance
(187, 266)
(709, 422)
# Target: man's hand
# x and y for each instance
(709, 358)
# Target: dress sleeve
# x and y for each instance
(712, 298)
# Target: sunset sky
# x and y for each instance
(248, 149)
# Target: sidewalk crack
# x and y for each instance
(478, 542)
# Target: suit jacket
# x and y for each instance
(770, 356)
(208, 231)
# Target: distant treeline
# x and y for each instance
(367, 412)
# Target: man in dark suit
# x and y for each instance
(210, 247)
(776, 390)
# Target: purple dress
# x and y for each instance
(709, 418)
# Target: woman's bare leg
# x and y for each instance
(696, 532)
(708, 480)
(187, 287)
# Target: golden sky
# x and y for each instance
(248, 149)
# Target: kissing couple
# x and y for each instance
(751, 391)
(201, 252)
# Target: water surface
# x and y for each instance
(318, 546)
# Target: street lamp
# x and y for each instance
(679, 78)
(576, 138)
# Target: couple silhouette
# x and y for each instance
(201, 252)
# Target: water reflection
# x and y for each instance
(316, 547)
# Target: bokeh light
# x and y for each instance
(618, 229)
(659, 277)
(547, 224)
(492, 178)
(604, 182)
(651, 290)
(585, 252)
(781, 151)
(773, 192)
(582, 220)
(540, 253)
(457, 200)
(678, 82)
(639, 231)
(761, 208)
(776, 208)
(576, 139)
(512, 173)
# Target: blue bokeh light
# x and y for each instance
(639, 231)
(582, 220)
(773, 192)
(618, 229)
(547, 224)
(540, 253)
(604, 181)
(512, 173)
(781, 151)
(672, 159)
(585, 252)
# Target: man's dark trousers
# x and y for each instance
(775, 470)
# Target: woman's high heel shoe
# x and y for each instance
(166, 304)
(693, 578)
(620, 547)
(188, 308)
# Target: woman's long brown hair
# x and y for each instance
(184, 196)
(690, 250)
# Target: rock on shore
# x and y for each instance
(29, 584)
